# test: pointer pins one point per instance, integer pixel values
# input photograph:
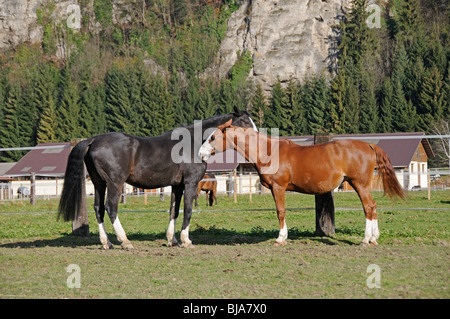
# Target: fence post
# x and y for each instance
(80, 226)
(123, 197)
(324, 202)
(161, 194)
(250, 186)
(33, 189)
(235, 185)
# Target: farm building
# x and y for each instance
(409, 153)
(48, 162)
(5, 182)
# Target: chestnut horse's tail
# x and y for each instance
(391, 185)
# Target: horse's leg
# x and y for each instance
(199, 190)
(112, 205)
(278, 195)
(208, 198)
(99, 202)
(175, 201)
(211, 198)
(189, 193)
(372, 232)
(99, 208)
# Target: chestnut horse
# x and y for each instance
(209, 185)
(313, 170)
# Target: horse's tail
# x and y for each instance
(73, 182)
(391, 185)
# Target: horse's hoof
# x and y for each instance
(127, 245)
(107, 247)
(364, 244)
(187, 244)
(173, 243)
(277, 243)
(373, 243)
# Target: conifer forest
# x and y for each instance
(394, 78)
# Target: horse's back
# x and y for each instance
(319, 168)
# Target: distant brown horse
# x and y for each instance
(314, 169)
(209, 185)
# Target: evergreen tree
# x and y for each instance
(369, 108)
(386, 111)
(207, 106)
(88, 102)
(68, 110)
(352, 101)
(431, 99)
(191, 102)
(356, 37)
(227, 98)
(274, 116)
(404, 112)
(43, 101)
(133, 78)
(400, 65)
(337, 105)
(159, 110)
(408, 21)
(300, 112)
(288, 103)
(317, 104)
(176, 93)
(10, 126)
(259, 107)
(46, 132)
(118, 107)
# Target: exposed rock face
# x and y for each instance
(287, 38)
(18, 22)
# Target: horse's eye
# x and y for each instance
(213, 138)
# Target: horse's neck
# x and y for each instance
(215, 121)
(257, 148)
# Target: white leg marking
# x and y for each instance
(121, 236)
(368, 232)
(375, 230)
(103, 237)
(282, 236)
(171, 233)
(185, 237)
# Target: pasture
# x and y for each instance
(234, 256)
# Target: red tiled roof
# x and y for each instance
(400, 151)
(42, 162)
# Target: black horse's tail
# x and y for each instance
(73, 182)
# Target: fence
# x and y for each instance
(416, 176)
(227, 184)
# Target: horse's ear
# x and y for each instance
(237, 112)
(225, 125)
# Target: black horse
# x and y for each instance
(145, 162)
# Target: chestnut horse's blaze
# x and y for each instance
(314, 169)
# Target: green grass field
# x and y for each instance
(233, 255)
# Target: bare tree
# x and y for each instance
(442, 128)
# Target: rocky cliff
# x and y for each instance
(287, 38)
(18, 22)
